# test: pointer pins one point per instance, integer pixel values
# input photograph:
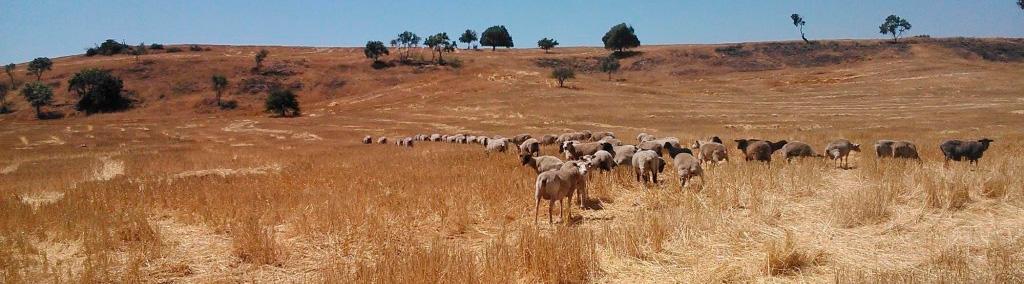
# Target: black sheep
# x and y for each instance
(958, 150)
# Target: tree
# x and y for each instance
(98, 91)
(9, 68)
(38, 66)
(894, 25)
(282, 101)
(374, 50)
(469, 36)
(260, 56)
(620, 37)
(496, 36)
(561, 74)
(609, 65)
(440, 43)
(407, 40)
(799, 22)
(546, 44)
(38, 95)
(220, 83)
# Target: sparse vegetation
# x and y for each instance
(620, 37)
(799, 22)
(9, 69)
(260, 57)
(98, 91)
(38, 95)
(894, 26)
(109, 47)
(173, 49)
(610, 65)
(3, 98)
(406, 41)
(496, 36)
(156, 46)
(195, 47)
(38, 66)
(282, 102)
(561, 74)
(440, 43)
(138, 51)
(468, 37)
(220, 83)
(547, 44)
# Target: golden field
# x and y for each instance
(175, 191)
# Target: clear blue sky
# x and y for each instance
(33, 28)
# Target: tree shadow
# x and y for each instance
(48, 115)
(626, 54)
(378, 65)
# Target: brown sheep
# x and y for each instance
(548, 139)
(905, 150)
(647, 163)
(541, 164)
(839, 151)
(602, 135)
(797, 149)
(643, 137)
(883, 148)
(624, 154)
(758, 150)
(559, 185)
(601, 160)
(651, 145)
(530, 147)
(711, 151)
(520, 138)
(575, 150)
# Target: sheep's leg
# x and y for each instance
(682, 183)
(551, 207)
(536, 211)
(654, 177)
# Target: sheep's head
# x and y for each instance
(608, 147)
(986, 140)
(742, 144)
(778, 145)
(696, 144)
(525, 158)
(717, 140)
(565, 146)
(582, 167)
(855, 147)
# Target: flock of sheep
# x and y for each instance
(558, 180)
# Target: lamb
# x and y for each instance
(624, 154)
(530, 147)
(687, 166)
(541, 164)
(575, 150)
(601, 160)
(519, 139)
(958, 150)
(647, 163)
(496, 145)
(797, 149)
(759, 150)
(548, 139)
(368, 139)
(382, 140)
(711, 151)
(839, 150)
(559, 185)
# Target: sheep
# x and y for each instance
(496, 145)
(408, 142)
(559, 185)
(711, 151)
(647, 163)
(367, 139)
(572, 136)
(905, 150)
(643, 137)
(435, 137)
(601, 160)
(541, 164)
(382, 140)
(651, 145)
(839, 150)
(602, 135)
(624, 154)
(482, 140)
(530, 147)
(687, 166)
(520, 138)
(883, 148)
(612, 140)
(758, 150)
(548, 139)
(470, 139)
(575, 150)
(958, 150)
(797, 149)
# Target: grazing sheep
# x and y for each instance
(797, 149)
(408, 142)
(958, 150)
(541, 164)
(883, 148)
(482, 140)
(601, 160)
(572, 136)
(647, 163)
(470, 139)
(559, 185)
(382, 140)
(496, 145)
(905, 150)
(530, 147)
(839, 150)
(520, 138)
(368, 139)
(758, 150)
(612, 140)
(644, 137)
(687, 166)
(602, 135)
(624, 154)
(711, 151)
(575, 150)
(435, 137)
(652, 145)
(548, 139)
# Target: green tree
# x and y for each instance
(496, 36)
(374, 50)
(620, 37)
(407, 40)
(469, 36)
(799, 22)
(9, 68)
(38, 95)
(440, 43)
(894, 25)
(609, 65)
(220, 83)
(98, 91)
(546, 44)
(260, 56)
(561, 74)
(38, 66)
(282, 102)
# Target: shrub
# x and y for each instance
(561, 74)
(374, 50)
(156, 46)
(547, 44)
(38, 95)
(281, 102)
(195, 48)
(173, 49)
(38, 66)
(98, 91)
(108, 47)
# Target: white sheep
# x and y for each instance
(559, 185)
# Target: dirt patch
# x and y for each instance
(109, 169)
(36, 199)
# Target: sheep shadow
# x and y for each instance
(593, 204)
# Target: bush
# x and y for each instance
(561, 74)
(156, 46)
(108, 48)
(98, 91)
(281, 102)
(195, 48)
(173, 49)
